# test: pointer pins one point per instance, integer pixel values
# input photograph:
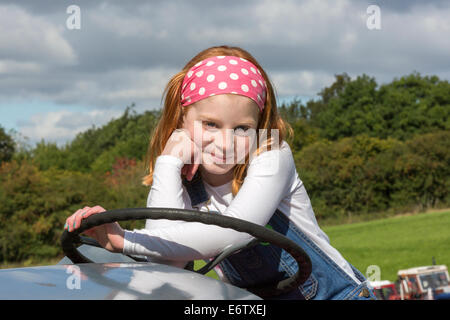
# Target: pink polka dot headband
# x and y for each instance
(223, 74)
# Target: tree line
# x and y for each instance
(363, 150)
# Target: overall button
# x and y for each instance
(364, 293)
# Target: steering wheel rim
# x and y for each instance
(69, 239)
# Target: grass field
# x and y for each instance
(391, 244)
(394, 243)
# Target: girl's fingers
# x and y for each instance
(79, 216)
(97, 209)
(70, 220)
(184, 170)
(195, 162)
(91, 211)
(189, 170)
(74, 221)
(192, 170)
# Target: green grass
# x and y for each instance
(394, 243)
(200, 263)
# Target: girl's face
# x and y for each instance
(224, 127)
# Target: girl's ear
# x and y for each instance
(183, 120)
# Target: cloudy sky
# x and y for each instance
(56, 81)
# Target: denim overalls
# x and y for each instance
(266, 263)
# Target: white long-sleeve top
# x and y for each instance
(272, 182)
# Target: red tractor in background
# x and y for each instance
(419, 283)
(385, 290)
(424, 283)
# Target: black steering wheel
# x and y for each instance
(260, 233)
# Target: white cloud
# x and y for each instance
(143, 24)
(301, 22)
(15, 67)
(25, 37)
(303, 83)
(116, 88)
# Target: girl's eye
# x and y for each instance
(241, 130)
(210, 125)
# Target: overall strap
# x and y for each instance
(196, 189)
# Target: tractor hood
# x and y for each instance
(113, 276)
(95, 281)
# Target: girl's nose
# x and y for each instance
(224, 141)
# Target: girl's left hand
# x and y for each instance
(110, 235)
(181, 145)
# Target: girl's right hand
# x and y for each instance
(181, 145)
(109, 235)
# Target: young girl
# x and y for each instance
(205, 155)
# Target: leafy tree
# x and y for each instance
(296, 114)
(414, 105)
(49, 155)
(315, 108)
(97, 148)
(401, 109)
(7, 146)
